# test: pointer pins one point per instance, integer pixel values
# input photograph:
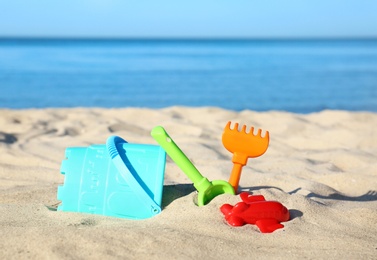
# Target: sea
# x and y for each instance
(300, 76)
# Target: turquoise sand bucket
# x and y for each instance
(118, 179)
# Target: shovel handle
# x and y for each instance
(161, 136)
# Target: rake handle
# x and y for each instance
(239, 160)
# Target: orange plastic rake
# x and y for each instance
(243, 145)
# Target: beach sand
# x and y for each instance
(321, 166)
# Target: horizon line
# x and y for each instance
(117, 38)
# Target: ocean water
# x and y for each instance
(301, 76)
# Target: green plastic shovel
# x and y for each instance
(206, 190)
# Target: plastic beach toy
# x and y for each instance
(254, 209)
(206, 190)
(243, 145)
(118, 179)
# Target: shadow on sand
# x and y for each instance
(369, 196)
(175, 191)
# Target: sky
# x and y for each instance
(189, 19)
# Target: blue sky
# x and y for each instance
(190, 18)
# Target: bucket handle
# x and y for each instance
(112, 148)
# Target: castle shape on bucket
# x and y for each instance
(118, 179)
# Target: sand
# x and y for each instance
(321, 166)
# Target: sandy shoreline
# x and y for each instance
(321, 166)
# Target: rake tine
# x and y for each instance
(252, 130)
(227, 127)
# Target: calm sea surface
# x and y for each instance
(298, 76)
